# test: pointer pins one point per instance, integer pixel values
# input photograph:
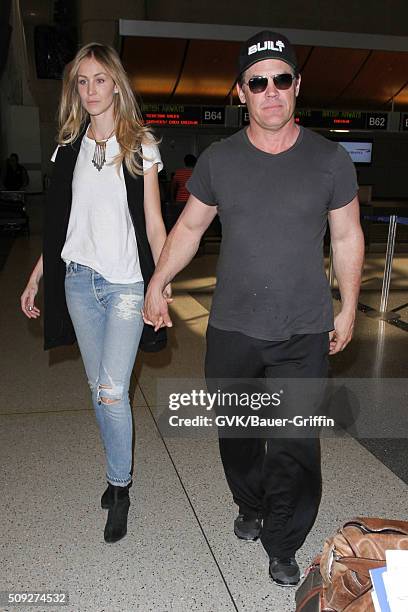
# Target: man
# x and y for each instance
(179, 192)
(274, 185)
(15, 175)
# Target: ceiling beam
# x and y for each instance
(205, 31)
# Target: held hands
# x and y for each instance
(167, 293)
(27, 300)
(343, 331)
(155, 310)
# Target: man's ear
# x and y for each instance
(241, 94)
(297, 86)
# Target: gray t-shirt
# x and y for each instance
(271, 282)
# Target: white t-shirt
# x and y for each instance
(100, 231)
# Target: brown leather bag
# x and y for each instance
(347, 557)
(309, 596)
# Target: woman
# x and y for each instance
(103, 231)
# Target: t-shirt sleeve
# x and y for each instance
(200, 184)
(151, 156)
(345, 185)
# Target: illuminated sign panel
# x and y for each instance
(334, 119)
(404, 122)
(174, 115)
(342, 120)
(360, 152)
(213, 115)
(181, 115)
(377, 121)
(244, 116)
(347, 120)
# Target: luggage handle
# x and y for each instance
(378, 525)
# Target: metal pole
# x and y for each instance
(379, 352)
(388, 264)
(382, 313)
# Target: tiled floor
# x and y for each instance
(180, 553)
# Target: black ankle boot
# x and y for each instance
(107, 497)
(116, 524)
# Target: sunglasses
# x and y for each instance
(258, 84)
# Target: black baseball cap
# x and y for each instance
(266, 45)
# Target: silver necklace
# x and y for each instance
(99, 156)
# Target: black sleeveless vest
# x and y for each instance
(58, 329)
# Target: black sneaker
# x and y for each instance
(284, 572)
(247, 528)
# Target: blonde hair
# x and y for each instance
(129, 128)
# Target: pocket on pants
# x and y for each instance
(71, 269)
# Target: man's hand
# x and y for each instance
(155, 310)
(343, 331)
(167, 293)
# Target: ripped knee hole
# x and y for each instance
(106, 400)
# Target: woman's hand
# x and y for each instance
(155, 309)
(28, 296)
(27, 300)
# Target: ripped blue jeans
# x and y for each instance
(108, 324)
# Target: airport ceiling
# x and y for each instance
(203, 72)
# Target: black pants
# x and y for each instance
(277, 478)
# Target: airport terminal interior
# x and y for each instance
(180, 553)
